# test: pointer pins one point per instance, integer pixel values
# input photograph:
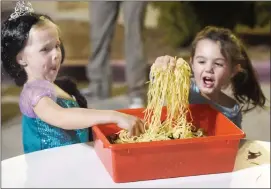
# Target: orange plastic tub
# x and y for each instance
(212, 154)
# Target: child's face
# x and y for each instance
(211, 70)
(42, 54)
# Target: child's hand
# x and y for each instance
(167, 61)
(164, 62)
(132, 124)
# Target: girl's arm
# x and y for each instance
(78, 118)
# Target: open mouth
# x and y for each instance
(54, 68)
(208, 82)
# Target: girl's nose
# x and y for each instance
(209, 67)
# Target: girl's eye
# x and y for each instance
(45, 49)
(218, 64)
(201, 62)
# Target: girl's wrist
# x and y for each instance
(113, 116)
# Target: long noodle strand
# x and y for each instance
(170, 86)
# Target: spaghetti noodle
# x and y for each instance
(171, 86)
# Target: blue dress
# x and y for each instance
(37, 134)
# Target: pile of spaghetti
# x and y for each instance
(168, 86)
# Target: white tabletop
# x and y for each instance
(78, 166)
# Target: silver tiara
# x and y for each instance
(21, 9)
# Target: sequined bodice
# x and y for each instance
(39, 135)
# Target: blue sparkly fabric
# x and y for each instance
(39, 135)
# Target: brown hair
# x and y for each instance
(245, 84)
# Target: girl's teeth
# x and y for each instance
(208, 82)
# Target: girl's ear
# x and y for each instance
(20, 60)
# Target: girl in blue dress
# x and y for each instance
(54, 113)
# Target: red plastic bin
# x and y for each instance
(212, 154)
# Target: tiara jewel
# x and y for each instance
(21, 9)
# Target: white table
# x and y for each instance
(78, 166)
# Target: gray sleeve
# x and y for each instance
(239, 119)
(194, 95)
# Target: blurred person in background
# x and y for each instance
(104, 15)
